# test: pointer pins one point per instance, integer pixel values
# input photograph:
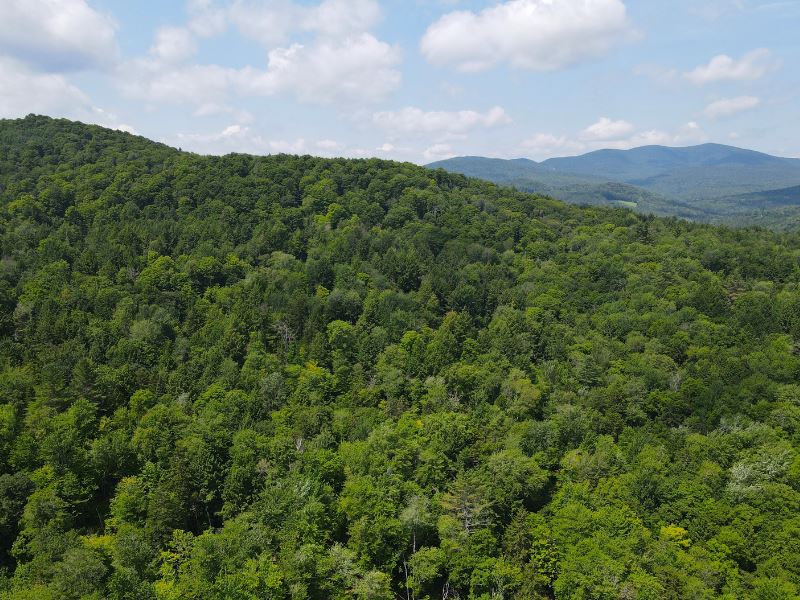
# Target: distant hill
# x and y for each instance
(649, 161)
(709, 182)
(775, 209)
(578, 188)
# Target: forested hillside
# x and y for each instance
(291, 377)
(575, 188)
(710, 183)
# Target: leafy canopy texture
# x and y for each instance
(297, 378)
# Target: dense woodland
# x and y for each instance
(291, 377)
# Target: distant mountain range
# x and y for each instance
(710, 182)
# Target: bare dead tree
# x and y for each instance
(286, 334)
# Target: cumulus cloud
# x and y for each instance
(545, 145)
(358, 68)
(606, 129)
(126, 128)
(342, 17)
(342, 62)
(24, 91)
(438, 152)
(605, 133)
(237, 138)
(211, 109)
(272, 23)
(241, 138)
(266, 23)
(173, 44)
(753, 65)
(207, 19)
(151, 80)
(328, 145)
(540, 35)
(727, 107)
(56, 35)
(411, 120)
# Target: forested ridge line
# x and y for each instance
(296, 377)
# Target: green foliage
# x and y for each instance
(291, 377)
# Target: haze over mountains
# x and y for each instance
(709, 182)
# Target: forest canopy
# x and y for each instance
(289, 377)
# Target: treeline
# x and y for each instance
(291, 377)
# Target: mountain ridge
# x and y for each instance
(663, 180)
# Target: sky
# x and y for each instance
(411, 80)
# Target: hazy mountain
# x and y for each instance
(640, 164)
(685, 182)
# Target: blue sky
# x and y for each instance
(411, 80)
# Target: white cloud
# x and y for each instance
(56, 35)
(211, 109)
(266, 23)
(438, 152)
(357, 69)
(342, 17)
(545, 145)
(328, 145)
(691, 132)
(606, 129)
(351, 66)
(206, 19)
(750, 67)
(412, 120)
(173, 44)
(228, 139)
(541, 35)
(274, 22)
(24, 91)
(618, 135)
(240, 138)
(649, 137)
(152, 80)
(297, 146)
(728, 107)
(233, 138)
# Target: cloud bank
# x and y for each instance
(538, 35)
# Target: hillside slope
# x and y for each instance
(774, 209)
(576, 188)
(683, 182)
(294, 377)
